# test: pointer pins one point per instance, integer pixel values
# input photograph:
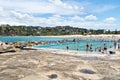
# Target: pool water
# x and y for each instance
(80, 45)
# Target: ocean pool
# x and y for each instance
(79, 45)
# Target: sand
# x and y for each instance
(107, 36)
(58, 65)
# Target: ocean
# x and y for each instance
(29, 38)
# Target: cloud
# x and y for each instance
(77, 18)
(18, 18)
(92, 25)
(42, 7)
(15, 18)
(63, 5)
(19, 15)
(77, 21)
(110, 19)
(1, 9)
(64, 8)
(86, 18)
(91, 17)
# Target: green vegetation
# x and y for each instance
(7, 30)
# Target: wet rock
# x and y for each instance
(91, 58)
(53, 76)
(86, 71)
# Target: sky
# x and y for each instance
(90, 14)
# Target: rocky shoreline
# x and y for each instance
(46, 65)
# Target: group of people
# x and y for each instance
(102, 49)
(115, 45)
(89, 48)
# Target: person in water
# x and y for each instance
(67, 47)
(105, 48)
(91, 48)
(95, 49)
(87, 46)
(115, 43)
(118, 46)
(99, 50)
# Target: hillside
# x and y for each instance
(7, 30)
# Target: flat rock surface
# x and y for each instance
(44, 65)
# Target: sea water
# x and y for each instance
(72, 45)
(29, 38)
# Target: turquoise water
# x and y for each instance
(29, 38)
(78, 45)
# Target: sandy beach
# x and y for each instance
(90, 36)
